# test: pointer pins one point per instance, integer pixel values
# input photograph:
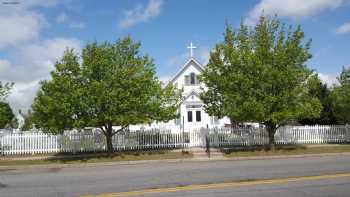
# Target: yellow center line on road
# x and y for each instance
(220, 185)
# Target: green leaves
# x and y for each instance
(259, 74)
(317, 90)
(57, 104)
(114, 86)
(340, 97)
(5, 89)
(6, 116)
(122, 86)
(344, 77)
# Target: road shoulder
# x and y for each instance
(139, 162)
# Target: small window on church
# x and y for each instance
(193, 79)
(189, 116)
(198, 116)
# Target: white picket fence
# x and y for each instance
(284, 135)
(38, 143)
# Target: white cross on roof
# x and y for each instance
(191, 47)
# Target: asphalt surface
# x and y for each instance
(78, 181)
(324, 188)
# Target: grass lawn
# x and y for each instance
(287, 150)
(96, 157)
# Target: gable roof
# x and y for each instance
(192, 93)
(185, 66)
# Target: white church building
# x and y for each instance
(191, 110)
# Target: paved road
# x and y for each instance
(77, 181)
(322, 188)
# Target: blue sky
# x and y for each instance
(38, 31)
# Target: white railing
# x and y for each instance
(238, 137)
(38, 143)
(284, 135)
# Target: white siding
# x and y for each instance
(190, 94)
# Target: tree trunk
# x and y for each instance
(271, 129)
(109, 136)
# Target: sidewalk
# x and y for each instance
(198, 159)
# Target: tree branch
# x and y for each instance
(104, 132)
(121, 129)
(282, 123)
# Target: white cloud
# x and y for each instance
(343, 29)
(204, 55)
(141, 13)
(292, 8)
(20, 23)
(35, 61)
(18, 28)
(61, 17)
(51, 49)
(22, 95)
(165, 78)
(31, 57)
(77, 25)
(330, 80)
(4, 65)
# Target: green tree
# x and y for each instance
(344, 77)
(28, 122)
(115, 86)
(120, 88)
(56, 104)
(259, 74)
(340, 97)
(319, 90)
(7, 118)
(5, 89)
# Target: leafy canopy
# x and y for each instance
(319, 90)
(114, 86)
(6, 116)
(5, 89)
(121, 88)
(340, 97)
(56, 105)
(259, 74)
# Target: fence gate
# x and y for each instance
(199, 138)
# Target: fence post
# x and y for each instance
(1, 144)
(347, 133)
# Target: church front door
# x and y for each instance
(194, 119)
